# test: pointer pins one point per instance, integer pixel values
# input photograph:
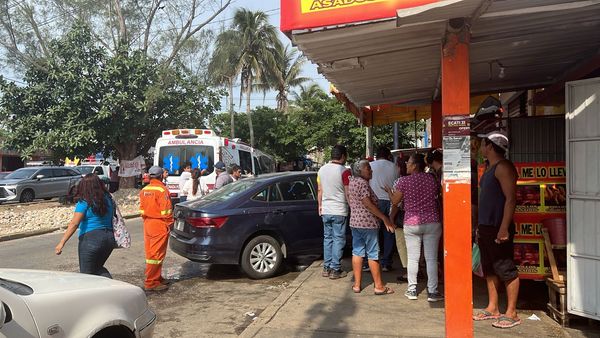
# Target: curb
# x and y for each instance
(26, 234)
(270, 311)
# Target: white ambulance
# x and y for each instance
(203, 148)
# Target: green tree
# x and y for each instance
(173, 32)
(285, 75)
(84, 100)
(224, 68)
(258, 43)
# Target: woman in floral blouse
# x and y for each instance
(364, 215)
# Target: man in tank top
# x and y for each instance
(495, 231)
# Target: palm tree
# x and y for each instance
(258, 44)
(307, 93)
(224, 66)
(285, 75)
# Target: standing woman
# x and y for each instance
(192, 186)
(93, 216)
(364, 222)
(419, 191)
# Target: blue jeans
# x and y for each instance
(94, 249)
(365, 243)
(389, 238)
(182, 198)
(334, 240)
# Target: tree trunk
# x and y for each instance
(231, 113)
(126, 152)
(248, 112)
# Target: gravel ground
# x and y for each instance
(16, 219)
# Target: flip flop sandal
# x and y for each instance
(484, 315)
(386, 291)
(356, 290)
(510, 322)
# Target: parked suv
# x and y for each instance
(27, 184)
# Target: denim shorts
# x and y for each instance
(365, 242)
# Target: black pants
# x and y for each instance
(94, 249)
(497, 259)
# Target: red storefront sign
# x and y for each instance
(303, 14)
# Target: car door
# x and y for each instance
(62, 179)
(300, 223)
(45, 186)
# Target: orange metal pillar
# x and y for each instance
(436, 124)
(456, 185)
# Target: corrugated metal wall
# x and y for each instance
(583, 200)
(537, 139)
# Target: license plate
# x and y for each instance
(179, 224)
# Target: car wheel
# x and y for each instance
(262, 257)
(27, 196)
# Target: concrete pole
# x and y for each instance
(369, 131)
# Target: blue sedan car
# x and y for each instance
(254, 223)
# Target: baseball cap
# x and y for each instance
(497, 137)
(220, 165)
(155, 171)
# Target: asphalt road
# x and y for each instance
(205, 300)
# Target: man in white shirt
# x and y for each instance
(333, 179)
(186, 174)
(385, 173)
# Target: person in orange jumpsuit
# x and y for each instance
(156, 211)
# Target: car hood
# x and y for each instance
(11, 181)
(43, 282)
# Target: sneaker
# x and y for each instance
(434, 297)
(366, 268)
(386, 268)
(336, 274)
(159, 287)
(412, 295)
(326, 272)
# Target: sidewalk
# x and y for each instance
(314, 306)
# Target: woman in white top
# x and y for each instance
(192, 186)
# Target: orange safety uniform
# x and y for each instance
(156, 211)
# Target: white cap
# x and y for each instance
(497, 137)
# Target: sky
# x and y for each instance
(272, 7)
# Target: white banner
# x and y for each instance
(131, 168)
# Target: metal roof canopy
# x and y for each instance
(397, 60)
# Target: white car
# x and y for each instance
(64, 304)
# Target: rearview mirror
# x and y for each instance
(2, 314)
(39, 177)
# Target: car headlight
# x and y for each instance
(11, 189)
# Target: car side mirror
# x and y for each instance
(2, 314)
(39, 177)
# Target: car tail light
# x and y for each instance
(226, 142)
(206, 222)
(173, 194)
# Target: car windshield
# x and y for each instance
(21, 173)
(85, 170)
(230, 190)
